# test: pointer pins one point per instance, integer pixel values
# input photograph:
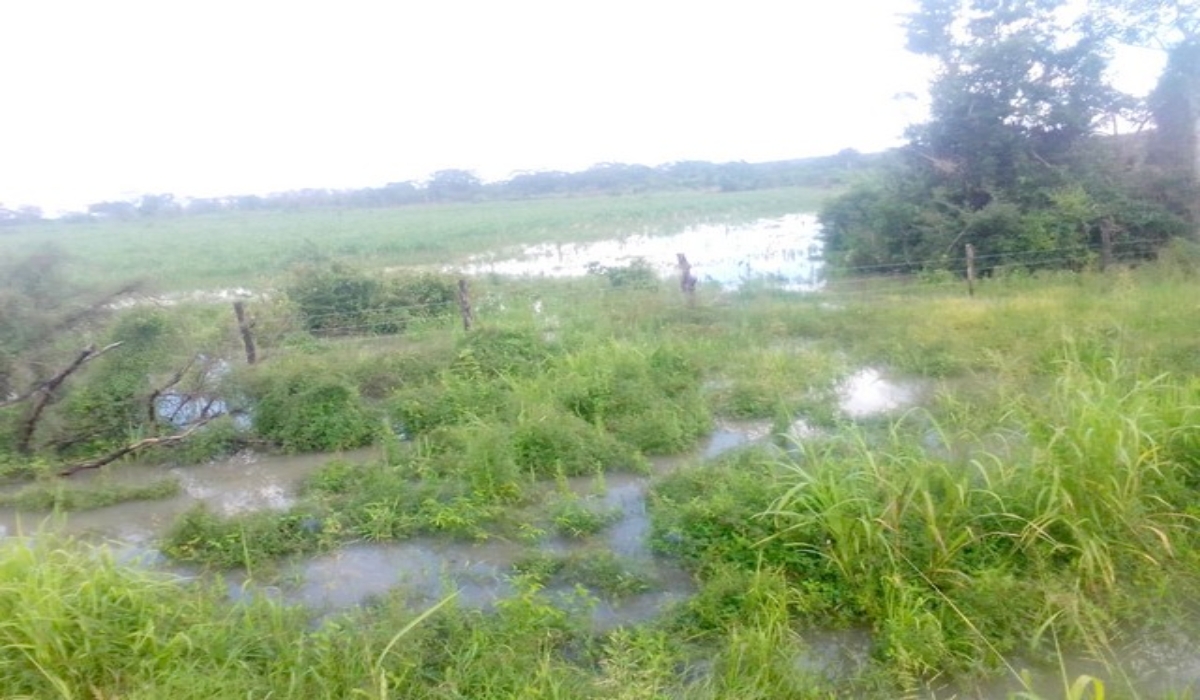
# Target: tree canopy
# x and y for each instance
(1012, 159)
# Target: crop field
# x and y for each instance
(885, 488)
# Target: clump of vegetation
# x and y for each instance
(639, 274)
(249, 541)
(63, 496)
(599, 571)
(574, 516)
(336, 299)
(650, 400)
(302, 409)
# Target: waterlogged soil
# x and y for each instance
(785, 251)
(243, 483)
(426, 569)
(480, 573)
(249, 482)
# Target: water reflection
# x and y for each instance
(785, 251)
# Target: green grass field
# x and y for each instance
(248, 248)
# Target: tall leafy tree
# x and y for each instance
(1019, 83)
(1009, 160)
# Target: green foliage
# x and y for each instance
(307, 412)
(202, 537)
(217, 439)
(573, 516)
(490, 353)
(337, 299)
(560, 443)
(599, 571)
(651, 401)
(712, 515)
(109, 405)
(639, 274)
(1009, 161)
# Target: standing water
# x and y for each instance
(784, 250)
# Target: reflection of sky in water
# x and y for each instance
(867, 393)
(785, 250)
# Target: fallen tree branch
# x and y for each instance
(133, 447)
(86, 355)
(46, 391)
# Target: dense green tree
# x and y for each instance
(1010, 160)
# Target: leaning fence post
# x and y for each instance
(1106, 243)
(687, 281)
(464, 304)
(970, 270)
(245, 326)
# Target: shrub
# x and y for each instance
(314, 414)
(638, 274)
(337, 299)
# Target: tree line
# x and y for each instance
(457, 185)
(1030, 154)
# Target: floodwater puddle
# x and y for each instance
(480, 572)
(243, 483)
(426, 567)
(868, 393)
(785, 250)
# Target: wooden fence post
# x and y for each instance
(687, 281)
(464, 304)
(1106, 243)
(970, 270)
(245, 326)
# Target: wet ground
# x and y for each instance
(427, 569)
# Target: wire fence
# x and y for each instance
(550, 297)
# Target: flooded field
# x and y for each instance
(785, 251)
(426, 569)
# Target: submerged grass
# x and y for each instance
(63, 496)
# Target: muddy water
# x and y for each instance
(426, 567)
(243, 483)
(480, 573)
(785, 250)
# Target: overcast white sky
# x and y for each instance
(112, 98)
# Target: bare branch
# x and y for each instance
(45, 392)
(133, 447)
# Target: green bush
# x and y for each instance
(202, 537)
(337, 299)
(638, 274)
(304, 413)
(502, 352)
(109, 402)
(652, 402)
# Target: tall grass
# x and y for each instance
(955, 562)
